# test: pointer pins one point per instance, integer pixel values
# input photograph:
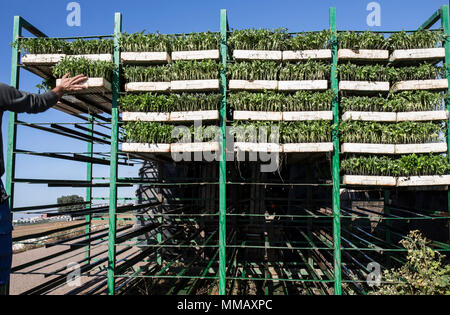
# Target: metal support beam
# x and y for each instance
(114, 156)
(12, 127)
(387, 213)
(446, 26)
(431, 21)
(335, 162)
(222, 162)
(88, 217)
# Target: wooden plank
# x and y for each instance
(369, 180)
(254, 115)
(145, 57)
(95, 57)
(257, 54)
(373, 148)
(423, 116)
(94, 86)
(146, 147)
(194, 115)
(421, 148)
(66, 109)
(363, 54)
(293, 55)
(440, 85)
(42, 59)
(257, 147)
(195, 85)
(370, 116)
(307, 147)
(67, 100)
(140, 116)
(302, 85)
(304, 116)
(408, 55)
(255, 85)
(364, 86)
(100, 99)
(195, 147)
(196, 55)
(435, 180)
(147, 86)
(43, 71)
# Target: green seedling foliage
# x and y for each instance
(365, 40)
(148, 132)
(44, 45)
(150, 102)
(254, 70)
(406, 101)
(102, 46)
(416, 40)
(76, 66)
(196, 41)
(259, 39)
(180, 70)
(140, 42)
(309, 70)
(247, 39)
(309, 41)
(194, 70)
(293, 132)
(306, 131)
(406, 165)
(273, 101)
(422, 72)
(147, 74)
(352, 72)
(405, 132)
(154, 132)
(270, 70)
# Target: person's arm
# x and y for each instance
(22, 102)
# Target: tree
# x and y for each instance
(424, 272)
(70, 200)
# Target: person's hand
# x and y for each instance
(68, 84)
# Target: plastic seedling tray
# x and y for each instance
(145, 57)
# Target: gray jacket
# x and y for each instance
(19, 102)
(22, 102)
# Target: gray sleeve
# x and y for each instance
(22, 102)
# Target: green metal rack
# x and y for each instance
(330, 254)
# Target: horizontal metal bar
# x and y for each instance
(80, 134)
(52, 131)
(42, 234)
(73, 37)
(49, 206)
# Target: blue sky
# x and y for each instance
(175, 16)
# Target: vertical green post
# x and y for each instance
(335, 172)
(88, 217)
(159, 240)
(114, 156)
(387, 213)
(446, 26)
(222, 160)
(12, 127)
